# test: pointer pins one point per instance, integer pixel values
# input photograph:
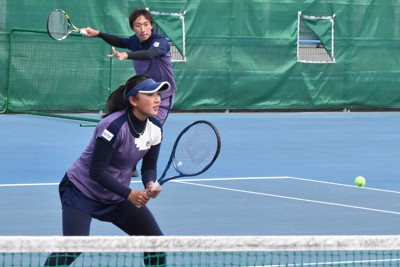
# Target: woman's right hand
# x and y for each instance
(138, 198)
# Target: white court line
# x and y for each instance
(236, 179)
(287, 197)
(27, 185)
(225, 179)
(138, 181)
(43, 184)
(192, 182)
(283, 177)
(346, 185)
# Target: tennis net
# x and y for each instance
(204, 251)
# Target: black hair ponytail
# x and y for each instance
(116, 100)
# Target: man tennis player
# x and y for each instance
(150, 53)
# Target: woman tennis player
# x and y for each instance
(97, 183)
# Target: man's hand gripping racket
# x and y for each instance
(195, 150)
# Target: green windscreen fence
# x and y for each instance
(4, 69)
(69, 77)
(323, 29)
(320, 30)
(172, 25)
(228, 55)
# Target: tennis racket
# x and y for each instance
(59, 25)
(195, 150)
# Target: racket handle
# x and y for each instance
(139, 206)
(155, 186)
(83, 32)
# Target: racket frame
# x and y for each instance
(162, 178)
(71, 27)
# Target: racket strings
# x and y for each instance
(196, 149)
(58, 26)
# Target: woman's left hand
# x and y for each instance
(152, 193)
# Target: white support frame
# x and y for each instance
(176, 56)
(320, 56)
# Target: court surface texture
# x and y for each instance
(277, 174)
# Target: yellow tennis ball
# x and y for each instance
(360, 181)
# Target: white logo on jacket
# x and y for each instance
(151, 136)
(107, 135)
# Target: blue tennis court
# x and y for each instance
(277, 174)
